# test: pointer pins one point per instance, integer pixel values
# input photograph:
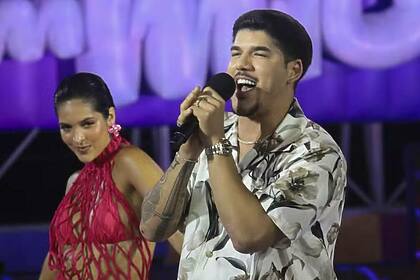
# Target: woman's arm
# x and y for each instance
(136, 168)
(46, 272)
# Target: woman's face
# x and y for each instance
(82, 129)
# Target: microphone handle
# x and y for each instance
(183, 132)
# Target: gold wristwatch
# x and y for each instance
(223, 147)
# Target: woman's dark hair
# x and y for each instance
(290, 36)
(87, 87)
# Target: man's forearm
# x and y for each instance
(242, 215)
(164, 206)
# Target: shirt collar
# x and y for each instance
(291, 126)
(287, 132)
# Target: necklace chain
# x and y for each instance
(246, 142)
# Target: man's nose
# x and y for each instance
(244, 63)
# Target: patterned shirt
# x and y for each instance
(298, 174)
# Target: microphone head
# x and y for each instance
(223, 84)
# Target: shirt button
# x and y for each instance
(209, 254)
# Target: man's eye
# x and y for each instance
(65, 128)
(234, 54)
(261, 54)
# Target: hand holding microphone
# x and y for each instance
(200, 109)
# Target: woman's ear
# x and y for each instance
(111, 116)
(294, 71)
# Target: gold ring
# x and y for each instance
(199, 99)
(197, 103)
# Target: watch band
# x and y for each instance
(223, 147)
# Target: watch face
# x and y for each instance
(221, 148)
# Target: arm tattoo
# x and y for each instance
(168, 199)
(174, 164)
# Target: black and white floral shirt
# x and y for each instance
(299, 176)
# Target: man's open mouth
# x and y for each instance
(245, 84)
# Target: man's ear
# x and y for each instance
(111, 116)
(294, 71)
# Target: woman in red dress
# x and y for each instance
(94, 233)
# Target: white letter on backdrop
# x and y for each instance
(19, 30)
(307, 12)
(376, 40)
(176, 48)
(110, 52)
(62, 23)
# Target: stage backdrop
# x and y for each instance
(152, 53)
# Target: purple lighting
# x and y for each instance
(384, 86)
(368, 272)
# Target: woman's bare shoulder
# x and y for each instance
(132, 155)
(71, 180)
(135, 166)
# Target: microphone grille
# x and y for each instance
(223, 83)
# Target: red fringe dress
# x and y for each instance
(94, 233)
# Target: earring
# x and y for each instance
(115, 130)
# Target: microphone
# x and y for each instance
(225, 86)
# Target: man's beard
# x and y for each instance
(245, 112)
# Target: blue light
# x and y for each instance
(367, 272)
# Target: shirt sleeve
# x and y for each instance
(303, 192)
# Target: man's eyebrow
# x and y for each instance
(262, 48)
(256, 48)
(235, 48)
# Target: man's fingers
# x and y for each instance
(183, 116)
(207, 103)
(213, 93)
(185, 107)
(190, 99)
(207, 98)
(199, 103)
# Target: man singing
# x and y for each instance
(258, 193)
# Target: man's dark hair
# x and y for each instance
(87, 87)
(290, 36)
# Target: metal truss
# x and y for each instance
(373, 146)
(374, 149)
(14, 156)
